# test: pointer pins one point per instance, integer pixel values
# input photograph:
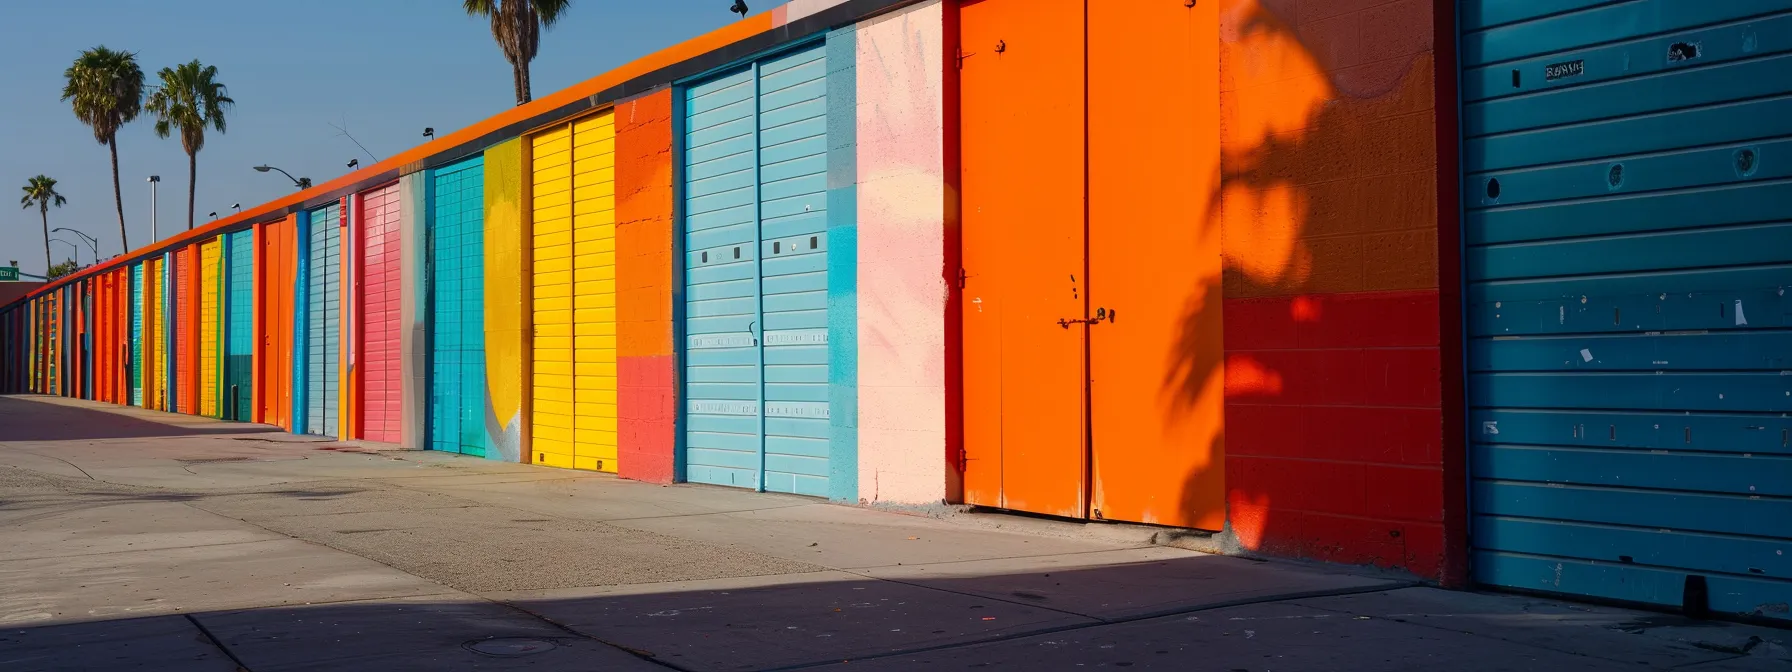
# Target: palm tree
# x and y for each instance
(517, 25)
(191, 98)
(41, 192)
(107, 89)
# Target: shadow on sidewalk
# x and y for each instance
(34, 418)
(1183, 614)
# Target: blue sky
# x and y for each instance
(386, 68)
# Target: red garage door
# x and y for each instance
(380, 299)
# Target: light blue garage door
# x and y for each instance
(1626, 172)
(323, 306)
(756, 348)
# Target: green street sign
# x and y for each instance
(9, 274)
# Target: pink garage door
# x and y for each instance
(380, 299)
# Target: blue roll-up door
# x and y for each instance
(136, 335)
(457, 309)
(755, 206)
(323, 312)
(1628, 251)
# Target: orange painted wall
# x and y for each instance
(1022, 115)
(274, 274)
(1330, 217)
(646, 397)
(1158, 449)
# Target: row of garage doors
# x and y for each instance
(1626, 252)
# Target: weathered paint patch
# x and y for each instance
(843, 260)
(901, 294)
(413, 196)
(506, 292)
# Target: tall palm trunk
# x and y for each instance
(192, 185)
(117, 197)
(44, 211)
(520, 73)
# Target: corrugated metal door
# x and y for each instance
(167, 345)
(180, 331)
(1627, 261)
(86, 292)
(239, 333)
(323, 313)
(756, 359)
(136, 363)
(210, 375)
(457, 310)
(154, 340)
(381, 300)
(574, 422)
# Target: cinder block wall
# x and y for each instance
(1331, 273)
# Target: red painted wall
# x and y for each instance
(646, 396)
(1330, 214)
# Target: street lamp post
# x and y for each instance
(155, 229)
(91, 241)
(77, 249)
(300, 182)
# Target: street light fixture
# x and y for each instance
(77, 249)
(300, 182)
(91, 241)
(155, 229)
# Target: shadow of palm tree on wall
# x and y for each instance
(1322, 161)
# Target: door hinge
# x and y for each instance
(964, 459)
(962, 56)
(962, 278)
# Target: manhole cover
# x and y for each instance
(509, 647)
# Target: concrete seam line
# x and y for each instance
(1097, 619)
(143, 550)
(1471, 633)
(710, 513)
(1104, 622)
(638, 653)
(215, 642)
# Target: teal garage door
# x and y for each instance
(136, 335)
(239, 325)
(1627, 252)
(755, 218)
(323, 308)
(457, 309)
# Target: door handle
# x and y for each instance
(750, 333)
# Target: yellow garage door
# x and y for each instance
(574, 421)
(153, 342)
(208, 328)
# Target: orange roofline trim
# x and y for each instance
(389, 169)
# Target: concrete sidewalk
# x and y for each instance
(132, 539)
